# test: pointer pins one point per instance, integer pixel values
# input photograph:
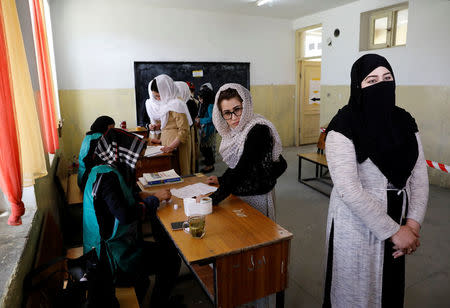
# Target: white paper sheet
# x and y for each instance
(193, 190)
(152, 151)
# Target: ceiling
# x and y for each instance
(287, 9)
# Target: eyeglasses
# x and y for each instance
(237, 111)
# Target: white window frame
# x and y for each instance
(391, 15)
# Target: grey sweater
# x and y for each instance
(358, 207)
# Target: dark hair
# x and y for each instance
(228, 94)
(154, 86)
(101, 124)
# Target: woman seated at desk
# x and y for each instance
(98, 128)
(251, 147)
(111, 216)
(175, 121)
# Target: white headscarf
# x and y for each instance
(169, 99)
(207, 85)
(183, 90)
(233, 139)
(153, 106)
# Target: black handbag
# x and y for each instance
(86, 284)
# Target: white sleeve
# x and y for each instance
(419, 187)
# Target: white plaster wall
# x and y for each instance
(97, 41)
(424, 61)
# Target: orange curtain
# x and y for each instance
(47, 98)
(10, 173)
(32, 156)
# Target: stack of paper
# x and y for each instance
(193, 190)
(153, 151)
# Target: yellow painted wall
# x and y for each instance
(429, 105)
(277, 104)
(79, 109)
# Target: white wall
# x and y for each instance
(424, 61)
(97, 41)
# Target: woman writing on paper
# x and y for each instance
(175, 121)
(112, 213)
(98, 128)
(380, 192)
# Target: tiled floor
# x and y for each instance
(303, 211)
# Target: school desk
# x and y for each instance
(242, 257)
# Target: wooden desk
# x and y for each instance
(161, 162)
(249, 255)
(139, 130)
(74, 194)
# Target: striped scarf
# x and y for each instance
(121, 149)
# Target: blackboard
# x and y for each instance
(217, 73)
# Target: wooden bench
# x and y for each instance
(320, 160)
(125, 296)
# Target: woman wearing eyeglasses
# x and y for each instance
(251, 147)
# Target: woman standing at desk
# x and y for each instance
(98, 128)
(185, 95)
(153, 108)
(175, 121)
(251, 147)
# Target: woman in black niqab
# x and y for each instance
(379, 129)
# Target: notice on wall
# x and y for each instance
(197, 73)
(314, 92)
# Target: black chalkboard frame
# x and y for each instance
(234, 72)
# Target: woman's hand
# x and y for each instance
(154, 126)
(414, 225)
(198, 198)
(154, 140)
(212, 180)
(144, 194)
(398, 253)
(167, 149)
(163, 194)
(406, 239)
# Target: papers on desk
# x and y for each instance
(153, 151)
(193, 190)
(158, 178)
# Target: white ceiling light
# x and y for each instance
(262, 2)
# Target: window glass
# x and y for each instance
(380, 31)
(402, 27)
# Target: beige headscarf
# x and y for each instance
(233, 139)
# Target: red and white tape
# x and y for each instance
(436, 165)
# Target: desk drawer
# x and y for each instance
(252, 274)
